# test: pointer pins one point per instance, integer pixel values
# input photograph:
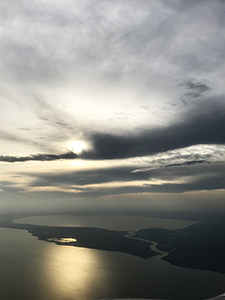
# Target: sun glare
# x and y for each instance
(76, 147)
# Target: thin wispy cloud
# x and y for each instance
(194, 89)
(38, 157)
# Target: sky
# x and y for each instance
(112, 106)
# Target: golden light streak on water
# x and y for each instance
(74, 273)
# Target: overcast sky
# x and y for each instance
(112, 105)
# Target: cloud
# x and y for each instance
(121, 180)
(55, 38)
(201, 128)
(89, 177)
(4, 135)
(195, 88)
(215, 182)
(188, 163)
(38, 157)
(204, 128)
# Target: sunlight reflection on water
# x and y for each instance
(72, 270)
(63, 240)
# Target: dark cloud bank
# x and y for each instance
(206, 128)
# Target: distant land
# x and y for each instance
(199, 246)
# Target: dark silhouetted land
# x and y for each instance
(199, 246)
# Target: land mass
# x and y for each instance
(199, 246)
(88, 237)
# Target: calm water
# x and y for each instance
(32, 269)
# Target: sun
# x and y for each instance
(77, 147)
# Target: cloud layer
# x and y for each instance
(138, 87)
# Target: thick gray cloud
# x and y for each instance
(201, 128)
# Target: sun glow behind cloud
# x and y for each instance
(76, 146)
